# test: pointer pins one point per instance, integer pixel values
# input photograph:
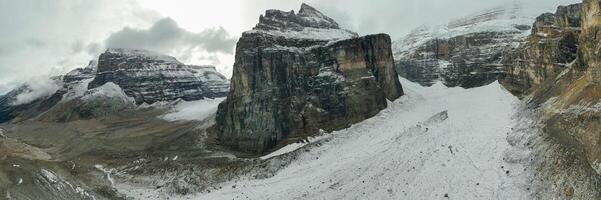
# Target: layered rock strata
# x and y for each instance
(297, 74)
(467, 52)
(548, 51)
(150, 77)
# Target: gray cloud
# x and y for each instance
(395, 17)
(36, 88)
(44, 38)
(34, 42)
(94, 48)
(166, 36)
(77, 46)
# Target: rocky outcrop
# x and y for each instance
(150, 77)
(297, 74)
(550, 48)
(467, 52)
(307, 17)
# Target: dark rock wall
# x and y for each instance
(467, 61)
(468, 52)
(284, 94)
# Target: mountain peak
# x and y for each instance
(308, 10)
(307, 17)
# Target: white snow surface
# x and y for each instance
(295, 146)
(108, 90)
(78, 89)
(193, 110)
(319, 34)
(411, 150)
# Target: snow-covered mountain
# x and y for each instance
(150, 77)
(466, 52)
(308, 24)
(144, 76)
(140, 102)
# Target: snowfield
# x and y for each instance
(434, 143)
(193, 110)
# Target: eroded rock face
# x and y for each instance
(289, 82)
(558, 71)
(590, 43)
(150, 77)
(466, 53)
(572, 100)
(549, 50)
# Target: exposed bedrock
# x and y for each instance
(288, 85)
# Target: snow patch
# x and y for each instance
(328, 73)
(295, 146)
(108, 90)
(61, 184)
(307, 33)
(193, 110)
(76, 90)
(107, 172)
(49, 176)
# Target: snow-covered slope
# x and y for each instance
(432, 143)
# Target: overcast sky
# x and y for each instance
(39, 38)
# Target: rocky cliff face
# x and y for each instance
(550, 48)
(150, 77)
(570, 100)
(467, 52)
(298, 73)
(589, 54)
(557, 69)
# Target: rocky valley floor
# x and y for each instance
(434, 143)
